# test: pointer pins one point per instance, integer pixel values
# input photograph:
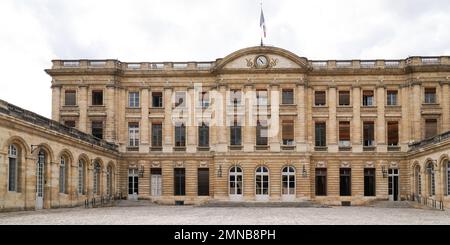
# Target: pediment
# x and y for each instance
(277, 59)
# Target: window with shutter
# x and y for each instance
(368, 98)
(344, 98)
(288, 132)
(344, 134)
(430, 128)
(320, 99)
(392, 133)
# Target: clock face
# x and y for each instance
(261, 61)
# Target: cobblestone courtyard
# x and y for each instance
(192, 215)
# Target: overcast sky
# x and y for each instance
(33, 32)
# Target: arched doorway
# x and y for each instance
(288, 183)
(262, 183)
(235, 183)
(40, 170)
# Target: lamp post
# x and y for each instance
(219, 171)
(141, 171)
(304, 172)
(384, 171)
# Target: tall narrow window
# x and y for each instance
(431, 179)
(70, 98)
(418, 179)
(13, 168)
(320, 98)
(368, 98)
(180, 135)
(157, 99)
(235, 134)
(392, 133)
(235, 181)
(430, 128)
(109, 176)
(368, 134)
(392, 97)
(261, 133)
(321, 181)
(448, 178)
(235, 97)
(179, 182)
(430, 95)
(262, 181)
(344, 134)
(97, 97)
(133, 134)
(97, 173)
(345, 182)
(156, 135)
(62, 175)
(81, 177)
(321, 134)
(369, 182)
(133, 100)
(288, 132)
(203, 182)
(261, 97)
(203, 100)
(203, 135)
(97, 129)
(344, 98)
(288, 181)
(287, 97)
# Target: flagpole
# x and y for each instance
(261, 31)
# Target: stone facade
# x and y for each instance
(367, 96)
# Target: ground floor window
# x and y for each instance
(180, 181)
(235, 181)
(369, 182)
(288, 180)
(262, 181)
(133, 182)
(203, 181)
(321, 181)
(156, 181)
(345, 182)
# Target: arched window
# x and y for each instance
(81, 176)
(288, 181)
(431, 179)
(262, 181)
(62, 175)
(109, 180)
(235, 181)
(13, 168)
(97, 171)
(448, 178)
(418, 179)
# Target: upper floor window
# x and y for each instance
(321, 134)
(344, 98)
(261, 97)
(430, 128)
(97, 129)
(203, 135)
(368, 134)
(133, 134)
(288, 132)
(261, 133)
(70, 98)
(320, 98)
(180, 99)
(392, 133)
(133, 99)
(203, 99)
(97, 97)
(392, 97)
(157, 99)
(180, 135)
(156, 135)
(344, 134)
(368, 98)
(235, 97)
(235, 134)
(430, 95)
(287, 97)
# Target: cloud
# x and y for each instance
(37, 31)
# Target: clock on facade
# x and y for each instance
(261, 61)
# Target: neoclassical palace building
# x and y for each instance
(261, 124)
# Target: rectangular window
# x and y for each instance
(157, 135)
(321, 181)
(203, 182)
(70, 98)
(430, 128)
(368, 98)
(235, 134)
(344, 134)
(97, 97)
(203, 100)
(133, 100)
(133, 134)
(392, 97)
(430, 95)
(180, 135)
(261, 97)
(70, 124)
(97, 129)
(344, 98)
(179, 181)
(321, 134)
(203, 135)
(345, 182)
(320, 98)
(157, 99)
(235, 97)
(287, 97)
(392, 133)
(288, 132)
(369, 182)
(261, 133)
(180, 99)
(368, 134)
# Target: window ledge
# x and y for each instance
(202, 148)
(345, 148)
(345, 106)
(321, 148)
(156, 148)
(394, 148)
(235, 147)
(132, 148)
(288, 105)
(430, 104)
(261, 147)
(369, 148)
(179, 148)
(70, 106)
(288, 147)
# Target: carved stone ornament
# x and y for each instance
(369, 165)
(271, 62)
(179, 164)
(321, 164)
(203, 164)
(346, 165)
(393, 165)
(156, 164)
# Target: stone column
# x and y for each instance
(404, 125)
(416, 102)
(83, 106)
(110, 132)
(144, 145)
(191, 125)
(299, 124)
(445, 103)
(221, 128)
(121, 123)
(331, 127)
(3, 177)
(56, 102)
(356, 125)
(249, 127)
(275, 130)
(168, 127)
(29, 188)
(380, 136)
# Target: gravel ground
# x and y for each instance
(193, 215)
